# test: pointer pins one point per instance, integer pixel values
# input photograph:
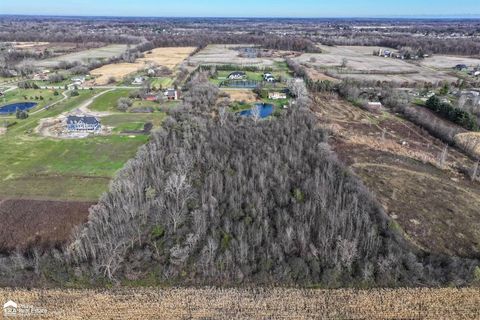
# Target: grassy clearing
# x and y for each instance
(161, 82)
(108, 101)
(133, 121)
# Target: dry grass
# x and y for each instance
(168, 57)
(470, 141)
(437, 208)
(210, 303)
(241, 95)
(85, 55)
(29, 45)
(448, 62)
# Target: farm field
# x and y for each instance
(86, 55)
(52, 221)
(448, 62)
(168, 57)
(227, 54)
(362, 64)
(260, 303)
(437, 209)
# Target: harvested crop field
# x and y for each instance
(362, 64)
(86, 55)
(436, 208)
(168, 57)
(277, 303)
(229, 54)
(41, 223)
(241, 95)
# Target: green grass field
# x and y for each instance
(64, 169)
(108, 101)
(161, 82)
(133, 121)
(40, 96)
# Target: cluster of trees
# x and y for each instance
(456, 115)
(215, 198)
(124, 103)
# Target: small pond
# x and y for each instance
(12, 108)
(266, 110)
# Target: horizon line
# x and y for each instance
(442, 17)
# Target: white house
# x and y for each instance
(171, 94)
(237, 75)
(10, 308)
(138, 81)
(277, 95)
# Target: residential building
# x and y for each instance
(83, 124)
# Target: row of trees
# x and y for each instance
(456, 115)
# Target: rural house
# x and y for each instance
(269, 77)
(83, 124)
(151, 97)
(237, 75)
(277, 95)
(171, 94)
(138, 81)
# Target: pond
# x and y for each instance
(12, 108)
(266, 110)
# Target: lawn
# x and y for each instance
(133, 121)
(68, 169)
(108, 101)
(163, 83)
(40, 96)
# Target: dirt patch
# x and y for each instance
(43, 224)
(241, 95)
(436, 207)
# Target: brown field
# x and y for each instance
(241, 95)
(168, 57)
(29, 45)
(362, 64)
(39, 223)
(471, 140)
(276, 303)
(448, 62)
(85, 55)
(436, 208)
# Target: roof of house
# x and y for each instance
(237, 73)
(171, 92)
(84, 119)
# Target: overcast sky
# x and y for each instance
(244, 8)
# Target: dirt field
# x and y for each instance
(226, 54)
(436, 208)
(210, 303)
(29, 45)
(241, 95)
(85, 55)
(169, 57)
(43, 223)
(362, 64)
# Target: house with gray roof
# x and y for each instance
(83, 124)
